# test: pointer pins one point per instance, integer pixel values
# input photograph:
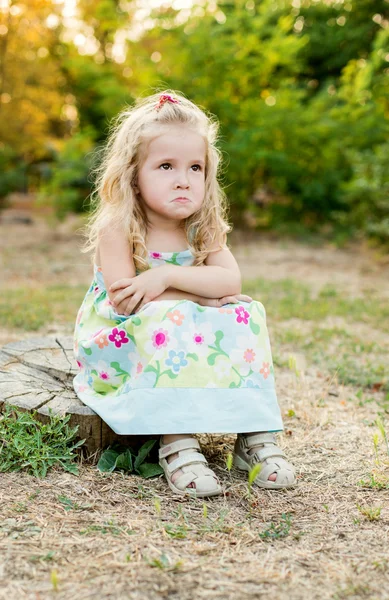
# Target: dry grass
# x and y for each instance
(114, 536)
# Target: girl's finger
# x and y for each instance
(136, 298)
(123, 295)
(117, 285)
(228, 300)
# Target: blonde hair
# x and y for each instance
(114, 201)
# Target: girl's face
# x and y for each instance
(171, 179)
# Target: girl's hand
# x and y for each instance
(218, 302)
(135, 292)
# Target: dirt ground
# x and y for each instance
(117, 536)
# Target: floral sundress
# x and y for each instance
(175, 366)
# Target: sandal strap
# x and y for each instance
(184, 460)
(173, 447)
(259, 438)
(269, 452)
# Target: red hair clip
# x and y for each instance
(166, 98)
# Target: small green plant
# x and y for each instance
(377, 480)
(229, 461)
(164, 563)
(54, 579)
(381, 427)
(277, 530)
(27, 444)
(292, 363)
(178, 531)
(120, 457)
(373, 513)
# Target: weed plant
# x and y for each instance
(27, 444)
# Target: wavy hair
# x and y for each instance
(114, 201)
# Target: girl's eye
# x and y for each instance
(196, 167)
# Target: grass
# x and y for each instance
(30, 309)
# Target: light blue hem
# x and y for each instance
(188, 410)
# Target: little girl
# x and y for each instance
(164, 340)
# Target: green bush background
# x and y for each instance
(301, 89)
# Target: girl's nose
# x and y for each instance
(182, 180)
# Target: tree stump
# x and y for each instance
(37, 375)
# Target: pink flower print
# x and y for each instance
(80, 312)
(243, 315)
(249, 355)
(118, 337)
(155, 254)
(265, 370)
(139, 368)
(80, 365)
(96, 290)
(198, 339)
(104, 375)
(160, 338)
(176, 317)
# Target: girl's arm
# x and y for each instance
(219, 277)
(115, 257)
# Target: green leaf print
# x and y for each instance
(233, 385)
(118, 369)
(173, 259)
(201, 308)
(169, 374)
(212, 357)
(136, 321)
(88, 351)
(255, 328)
(194, 356)
(219, 336)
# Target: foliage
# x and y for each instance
(301, 90)
(67, 185)
(120, 457)
(12, 173)
(27, 444)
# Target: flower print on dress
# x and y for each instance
(160, 339)
(137, 365)
(225, 310)
(155, 255)
(107, 373)
(198, 337)
(118, 336)
(243, 315)
(223, 368)
(176, 360)
(265, 371)
(247, 355)
(176, 317)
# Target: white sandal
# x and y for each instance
(269, 455)
(191, 463)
